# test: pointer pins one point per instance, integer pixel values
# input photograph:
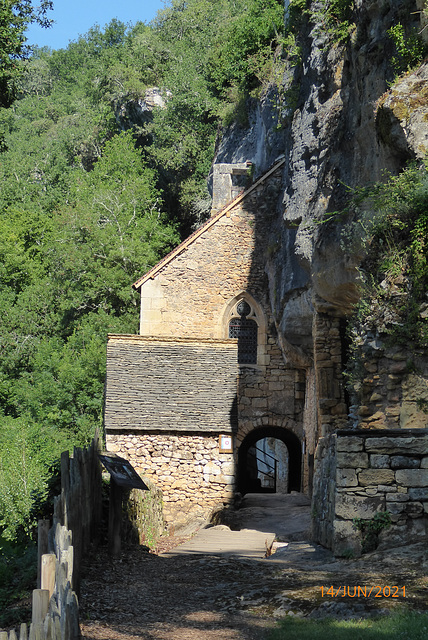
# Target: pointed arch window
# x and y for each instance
(245, 330)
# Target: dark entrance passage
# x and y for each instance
(261, 469)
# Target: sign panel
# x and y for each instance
(122, 472)
(225, 444)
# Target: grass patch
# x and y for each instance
(408, 625)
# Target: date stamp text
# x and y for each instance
(357, 591)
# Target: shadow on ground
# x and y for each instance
(225, 591)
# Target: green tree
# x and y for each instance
(25, 452)
(67, 283)
(244, 44)
(112, 231)
(62, 390)
(14, 20)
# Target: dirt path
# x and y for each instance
(219, 596)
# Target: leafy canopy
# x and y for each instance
(14, 19)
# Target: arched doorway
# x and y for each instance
(253, 475)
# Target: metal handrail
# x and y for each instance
(271, 473)
(265, 453)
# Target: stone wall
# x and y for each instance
(374, 472)
(193, 476)
(391, 385)
(324, 491)
(143, 520)
(228, 181)
(188, 296)
(332, 409)
(273, 390)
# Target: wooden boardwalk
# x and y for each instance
(221, 541)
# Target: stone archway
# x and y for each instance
(293, 444)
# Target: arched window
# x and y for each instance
(245, 330)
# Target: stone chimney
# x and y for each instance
(228, 181)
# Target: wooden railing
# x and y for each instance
(77, 514)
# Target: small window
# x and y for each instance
(245, 330)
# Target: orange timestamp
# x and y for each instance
(357, 591)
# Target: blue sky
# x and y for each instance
(76, 17)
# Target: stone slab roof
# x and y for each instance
(170, 384)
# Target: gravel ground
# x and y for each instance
(210, 597)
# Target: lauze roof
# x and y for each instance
(171, 384)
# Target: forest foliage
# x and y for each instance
(95, 190)
(15, 16)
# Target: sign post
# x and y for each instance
(122, 474)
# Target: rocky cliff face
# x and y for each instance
(345, 128)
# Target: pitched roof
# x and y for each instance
(204, 227)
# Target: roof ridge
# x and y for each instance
(206, 225)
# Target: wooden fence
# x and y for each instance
(77, 514)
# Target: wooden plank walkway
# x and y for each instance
(221, 541)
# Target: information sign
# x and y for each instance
(122, 472)
(225, 444)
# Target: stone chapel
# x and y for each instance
(189, 398)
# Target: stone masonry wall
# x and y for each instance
(273, 391)
(324, 490)
(189, 295)
(374, 471)
(391, 387)
(193, 476)
(332, 409)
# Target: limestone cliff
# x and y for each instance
(345, 128)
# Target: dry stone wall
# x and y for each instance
(193, 476)
(362, 473)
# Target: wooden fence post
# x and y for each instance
(40, 605)
(42, 546)
(65, 486)
(23, 632)
(36, 631)
(48, 572)
(76, 515)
